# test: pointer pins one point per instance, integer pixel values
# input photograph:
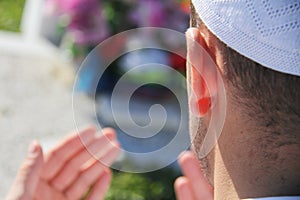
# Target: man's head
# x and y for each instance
(263, 113)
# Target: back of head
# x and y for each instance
(269, 93)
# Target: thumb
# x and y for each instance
(28, 174)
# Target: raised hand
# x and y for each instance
(192, 185)
(78, 164)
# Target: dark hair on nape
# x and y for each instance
(270, 97)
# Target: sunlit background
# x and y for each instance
(42, 46)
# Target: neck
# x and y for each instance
(252, 165)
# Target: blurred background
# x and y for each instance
(42, 46)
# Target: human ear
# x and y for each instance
(201, 72)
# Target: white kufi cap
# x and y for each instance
(266, 31)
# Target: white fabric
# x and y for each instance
(266, 31)
(276, 198)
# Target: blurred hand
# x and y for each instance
(192, 185)
(69, 170)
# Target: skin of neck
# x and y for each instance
(248, 163)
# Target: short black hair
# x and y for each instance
(271, 97)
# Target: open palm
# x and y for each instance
(78, 164)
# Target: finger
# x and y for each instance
(28, 174)
(45, 192)
(57, 157)
(70, 171)
(108, 155)
(90, 172)
(109, 132)
(183, 189)
(101, 186)
(192, 170)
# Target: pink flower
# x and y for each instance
(87, 22)
(152, 13)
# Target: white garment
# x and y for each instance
(276, 198)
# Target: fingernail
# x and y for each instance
(33, 148)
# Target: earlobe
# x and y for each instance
(204, 104)
(202, 74)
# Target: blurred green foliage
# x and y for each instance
(11, 14)
(156, 185)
